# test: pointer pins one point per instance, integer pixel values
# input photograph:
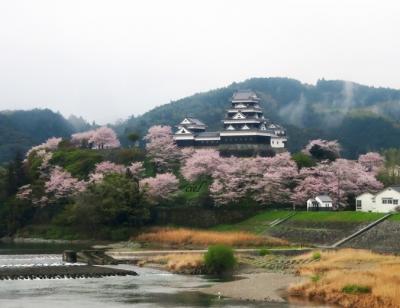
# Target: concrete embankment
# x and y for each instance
(382, 238)
(315, 232)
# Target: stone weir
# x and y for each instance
(59, 272)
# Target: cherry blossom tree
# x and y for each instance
(109, 167)
(104, 138)
(161, 148)
(272, 178)
(202, 162)
(341, 179)
(160, 188)
(136, 169)
(61, 184)
(372, 161)
(229, 181)
(82, 139)
(51, 144)
(104, 168)
(263, 179)
(323, 149)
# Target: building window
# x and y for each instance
(396, 201)
(387, 201)
(358, 205)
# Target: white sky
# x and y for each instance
(108, 59)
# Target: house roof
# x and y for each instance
(244, 95)
(366, 193)
(324, 198)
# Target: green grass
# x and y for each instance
(356, 289)
(316, 256)
(255, 224)
(259, 223)
(347, 216)
(395, 217)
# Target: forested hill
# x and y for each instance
(19, 130)
(362, 118)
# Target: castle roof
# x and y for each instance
(195, 121)
(244, 95)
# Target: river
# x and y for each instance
(151, 288)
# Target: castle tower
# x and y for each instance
(244, 128)
(245, 123)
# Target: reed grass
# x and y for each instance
(352, 278)
(185, 237)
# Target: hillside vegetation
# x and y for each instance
(20, 130)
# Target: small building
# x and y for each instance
(384, 201)
(320, 203)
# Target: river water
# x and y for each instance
(152, 288)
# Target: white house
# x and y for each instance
(384, 201)
(320, 203)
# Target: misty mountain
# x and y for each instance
(19, 130)
(79, 124)
(362, 118)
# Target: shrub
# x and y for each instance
(78, 162)
(219, 259)
(356, 289)
(316, 256)
(263, 252)
(315, 278)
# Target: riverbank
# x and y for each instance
(267, 286)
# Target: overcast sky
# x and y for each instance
(108, 59)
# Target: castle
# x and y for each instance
(244, 127)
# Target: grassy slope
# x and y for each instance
(395, 217)
(260, 222)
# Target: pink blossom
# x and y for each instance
(61, 184)
(104, 138)
(160, 188)
(50, 145)
(340, 179)
(201, 162)
(109, 167)
(264, 179)
(96, 177)
(161, 147)
(104, 168)
(136, 169)
(82, 139)
(372, 161)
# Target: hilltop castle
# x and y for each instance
(244, 128)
